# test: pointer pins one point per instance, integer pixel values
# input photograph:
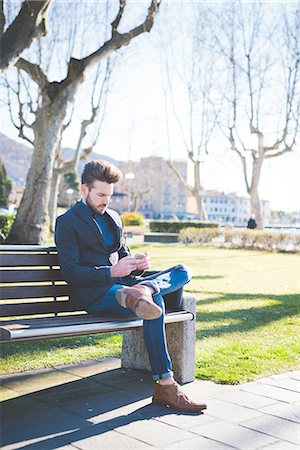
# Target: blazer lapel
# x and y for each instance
(85, 215)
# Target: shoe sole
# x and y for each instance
(157, 402)
(147, 310)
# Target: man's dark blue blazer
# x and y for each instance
(83, 256)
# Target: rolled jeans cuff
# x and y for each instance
(151, 284)
(162, 376)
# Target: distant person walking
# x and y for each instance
(252, 223)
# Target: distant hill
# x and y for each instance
(16, 158)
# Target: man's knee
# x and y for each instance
(186, 271)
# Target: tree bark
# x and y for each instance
(29, 24)
(197, 191)
(56, 178)
(255, 204)
(31, 225)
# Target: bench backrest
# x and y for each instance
(31, 283)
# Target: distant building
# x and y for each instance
(151, 187)
(230, 208)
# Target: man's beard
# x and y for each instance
(93, 207)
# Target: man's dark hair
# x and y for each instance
(100, 170)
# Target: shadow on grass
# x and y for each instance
(67, 343)
(207, 277)
(248, 318)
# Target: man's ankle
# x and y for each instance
(166, 381)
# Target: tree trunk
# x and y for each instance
(197, 192)
(56, 178)
(31, 225)
(255, 203)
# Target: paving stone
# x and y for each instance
(235, 435)
(109, 439)
(199, 390)
(93, 408)
(23, 419)
(140, 386)
(37, 444)
(230, 412)
(184, 421)
(275, 426)
(283, 410)
(247, 399)
(6, 394)
(91, 367)
(197, 444)
(82, 390)
(270, 391)
(117, 376)
(278, 376)
(281, 445)
(139, 407)
(28, 383)
(150, 431)
(285, 383)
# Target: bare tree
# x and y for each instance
(29, 24)
(57, 97)
(260, 54)
(99, 96)
(190, 71)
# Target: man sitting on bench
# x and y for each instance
(104, 277)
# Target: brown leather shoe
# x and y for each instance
(171, 395)
(139, 299)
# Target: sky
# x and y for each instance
(135, 126)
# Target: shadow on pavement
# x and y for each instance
(61, 415)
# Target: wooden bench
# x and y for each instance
(35, 305)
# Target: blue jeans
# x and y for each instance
(164, 283)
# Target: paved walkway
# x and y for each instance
(101, 406)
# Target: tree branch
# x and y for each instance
(30, 23)
(116, 22)
(34, 71)
(119, 40)
(285, 150)
(2, 19)
(179, 176)
(242, 157)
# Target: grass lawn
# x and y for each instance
(248, 316)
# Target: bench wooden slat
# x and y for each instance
(17, 292)
(34, 308)
(4, 248)
(17, 276)
(22, 260)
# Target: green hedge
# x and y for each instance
(175, 226)
(6, 221)
(198, 236)
(244, 239)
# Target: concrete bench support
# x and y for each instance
(181, 339)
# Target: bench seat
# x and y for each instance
(76, 325)
(35, 305)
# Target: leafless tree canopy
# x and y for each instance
(29, 24)
(63, 54)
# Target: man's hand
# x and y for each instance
(143, 261)
(124, 267)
